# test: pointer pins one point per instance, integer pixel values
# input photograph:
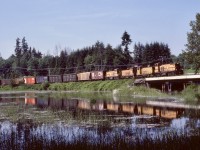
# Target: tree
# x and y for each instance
(33, 64)
(192, 51)
(108, 58)
(63, 60)
(138, 53)
(126, 41)
(24, 46)
(152, 53)
(18, 50)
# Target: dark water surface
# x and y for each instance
(75, 121)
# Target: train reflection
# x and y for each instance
(116, 107)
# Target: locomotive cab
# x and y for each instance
(178, 69)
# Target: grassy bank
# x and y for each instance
(108, 85)
(122, 87)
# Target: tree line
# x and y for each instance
(27, 60)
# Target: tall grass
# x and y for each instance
(33, 137)
(107, 85)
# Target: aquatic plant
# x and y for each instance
(30, 136)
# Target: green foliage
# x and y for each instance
(108, 85)
(152, 53)
(191, 93)
(44, 86)
(192, 51)
(29, 61)
(126, 41)
(141, 91)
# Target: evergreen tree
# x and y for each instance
(138, 53)
(18, 50)
(126, 41)
(24, 46)
(153, 53)
(63, 60)
(109, 55)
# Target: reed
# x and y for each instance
(35, 137)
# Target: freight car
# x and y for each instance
(114, 74)
(55, 78)
(6, 81)
(29, 80)
(136, 72)
(84, 76)
(97, 75)
(127, 73)
(41, 79)
(70, 77)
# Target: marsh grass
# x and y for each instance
(34, 137)
(28, 113)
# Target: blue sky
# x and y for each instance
(76, 24)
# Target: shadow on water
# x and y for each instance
(32, 121)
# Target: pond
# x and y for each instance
(50, 120)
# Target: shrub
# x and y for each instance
(45, 86)
(191, 93)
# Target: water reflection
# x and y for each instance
(148, 108)
(98, 121)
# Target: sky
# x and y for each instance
(52, 25)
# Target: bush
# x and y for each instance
(191, 93)
(45, 86)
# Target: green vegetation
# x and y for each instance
(192, 51)
(142, 91)
(189, 71)
(123, 87)
(27, 61)
(107, 85)
(191, 93)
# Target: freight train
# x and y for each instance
(133, 72)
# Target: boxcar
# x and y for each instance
(6, 81)
(84, 76)
(97, 75)
(55, 78)
(29, 80)
(41, 79)
(115, 74)
(69, 77)
(127, 73)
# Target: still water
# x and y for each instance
(96, 121)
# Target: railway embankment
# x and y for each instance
(119, 87)
(107, 85)
(123, 86)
